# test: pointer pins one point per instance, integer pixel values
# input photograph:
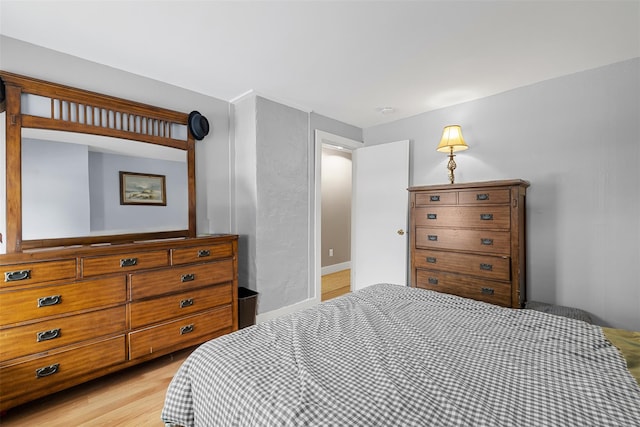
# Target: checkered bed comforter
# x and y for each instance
(395, 356)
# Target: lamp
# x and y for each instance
(451, 141)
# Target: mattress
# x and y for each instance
(389, 355)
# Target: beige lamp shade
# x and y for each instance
(452, 140)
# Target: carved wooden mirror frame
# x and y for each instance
(138, 122)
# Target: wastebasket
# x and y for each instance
(247, 300)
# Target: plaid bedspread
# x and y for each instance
(395, 356)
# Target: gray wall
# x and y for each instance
(336, 206)
(577, 140)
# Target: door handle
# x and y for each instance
(401, 232)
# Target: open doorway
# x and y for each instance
(333, 216)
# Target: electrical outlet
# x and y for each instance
(331, 252)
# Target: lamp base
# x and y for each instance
(451, 166)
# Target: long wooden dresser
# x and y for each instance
(469, 240)
(69, 315)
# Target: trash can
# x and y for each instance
(247, 300)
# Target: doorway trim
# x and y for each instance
(323, 138)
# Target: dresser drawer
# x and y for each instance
(489, 267)
(184, 332)
(46, 373)
(493, 217)
(499, 196)
(177, 305)
(25, 274)
(44, 336)
(106, 264)
(201, 253)
(34, 303)
(485, 241)
(437, 198)
(465, 286)
(177, 279)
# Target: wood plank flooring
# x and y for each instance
(133, 397)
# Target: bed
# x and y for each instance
(391, 355)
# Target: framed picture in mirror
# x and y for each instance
(142, 189)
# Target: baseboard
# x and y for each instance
(335, 268)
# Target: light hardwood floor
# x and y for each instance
(133, 397)
(336, 284)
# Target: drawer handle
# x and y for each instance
(186, 303)
(128, 262)
(434, 198)
(432, 237)
(486, 267)
(433, 280)
(487, 291)
(188, 277)
(48, 335)
(432, 216)
(186, 329)
(204, 253)
(49, 301)
(14, 276)
(486, 217)
(431, 259)
(47, 370)
(486, 242)
(482, 196)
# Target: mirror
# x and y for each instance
(74, 179)
(83, 168)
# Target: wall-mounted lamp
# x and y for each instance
(451, 141)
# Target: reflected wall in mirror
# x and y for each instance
(70, 186)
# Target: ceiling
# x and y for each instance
(347, 60)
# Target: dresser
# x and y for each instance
(68, 315)
(469, 240)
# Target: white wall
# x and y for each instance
(577, 140)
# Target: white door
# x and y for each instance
(380, 214)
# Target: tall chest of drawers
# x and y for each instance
(469, 240)
(69, 315)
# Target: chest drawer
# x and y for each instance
(437, 198)
(485, 241)
(182, 304)
(490, 267)
(180, 333)
(177, 279)
(44, 336)
(49, 271)
(484, 290)
(35, 303)
(494, 217)
(44, 374)
(485, 196)
(106, 264)
(201, 253)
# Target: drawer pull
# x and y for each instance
(204, 253)
(48, 335)
(47, 370)
(487, 291)
(431, 259)
(433, 280)
(486, 242)
(49, 301)
(128, 262)
(188, 277)
(186, 329)
(486, 267)
(14, 276)
(432, 216)
(186, 303)
(434, 198)
(432, 237)
(486, 217)
(482, 196)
